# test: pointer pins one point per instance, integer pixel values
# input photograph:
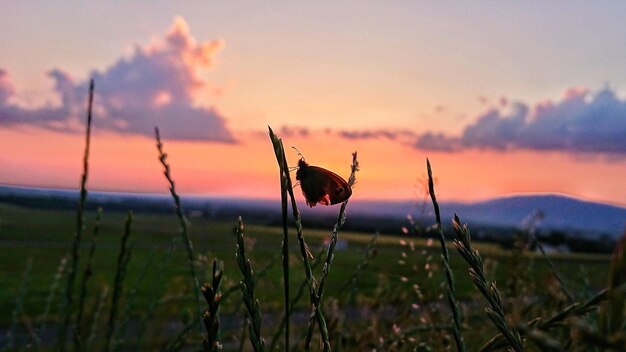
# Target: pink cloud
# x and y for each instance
(581, 122)
(6, 87)
(156, 86)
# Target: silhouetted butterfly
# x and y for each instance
(321, 186)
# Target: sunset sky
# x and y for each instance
(503, 97)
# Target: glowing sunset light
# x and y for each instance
(394, 95)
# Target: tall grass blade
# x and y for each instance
(330, 254)
(83, 285)
(123, 259)
(183, 224)
(80, 224)
(95, 319)
(285, 247)
(316, 262)
(489, 290)
(574, 310)
(211, 319)
(42, 320)
(553, 269)
(247, 289)
(454, 306)
(612, 314)
(279, 150)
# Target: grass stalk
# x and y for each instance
(123, 259)
(285, 255)
(95, 320)
(284, 184)
(330, 255)
(612, 313)
(83, 285)
(545, 324)
(183, 224)
(454, 306)
(489, 290)
(80, 224)
(211, 317)
(317, 261)
(247, 289)
(341, 218)
(555, 272)
(279, 150)
(42, 320)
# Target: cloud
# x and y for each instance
(581, 122)
(6, 87)
(376, 133)
(294, 131)
(157, 85)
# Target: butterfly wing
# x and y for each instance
(322, 186)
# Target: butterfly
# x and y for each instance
(321, 186)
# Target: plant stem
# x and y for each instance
(454, 306)
(80, 221)
(83, 286)
(183, 226)
(123, 259)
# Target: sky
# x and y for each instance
(503, 97)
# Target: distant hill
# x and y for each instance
(559, 212)
(588, 219)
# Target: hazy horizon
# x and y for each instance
(166, 194)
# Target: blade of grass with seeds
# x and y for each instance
(555, 272)
(95, 319)
(42, 320)
(557, 319)
(454, 306)
(183, 224)
(279, 150)
(247, 289)
(83, 285)
(316, 262)
(80, 224)
(330, 254)
(123, 259)
(211, 319)
(489, 290)
(612, 315)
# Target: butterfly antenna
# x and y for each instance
(296, 185)
(292, 168)
(302, 156)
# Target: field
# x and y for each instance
(158, 282)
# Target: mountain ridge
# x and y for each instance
(559, 211)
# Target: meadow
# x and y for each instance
(82, 280)
(155, 274)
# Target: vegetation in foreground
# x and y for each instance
(145, 282)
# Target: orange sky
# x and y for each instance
(205, 91)
(389, 170)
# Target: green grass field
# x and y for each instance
(157, 278)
